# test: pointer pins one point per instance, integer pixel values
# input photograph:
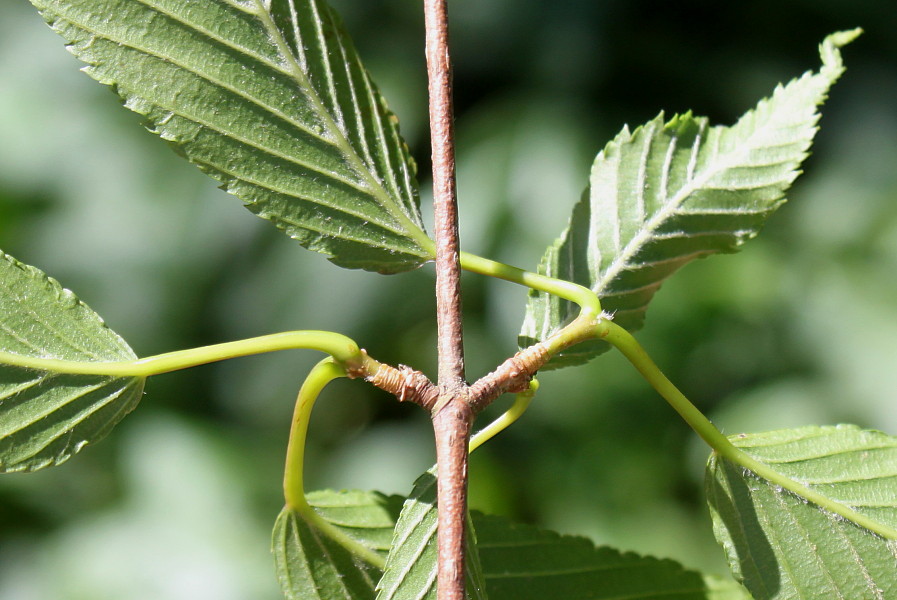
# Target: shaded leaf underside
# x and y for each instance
(46, 417)
(673, 191)
(271, 99)
(779, 545)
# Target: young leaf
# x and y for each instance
(45, 417)
(521, 562)
(268, 97)
(781, 546)
(312, 566)
(411, 566)
(672, 191)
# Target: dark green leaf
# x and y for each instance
(521, 562)
(270, 98)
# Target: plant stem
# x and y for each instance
(623, 341)
(293, 486)
(633, 351)
(452, 415)
(445, 205)
(451, 426)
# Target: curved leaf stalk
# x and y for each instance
(293, 481)
(623, 341)
(343, 349)
(507, 418)
(578, 294)
(293, 488)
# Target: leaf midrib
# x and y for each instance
(339, 137)
(372, 186)
(645, 235)
(248, 52)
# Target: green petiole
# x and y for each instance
(633, 351)
(621, 339)
(521, 403)
(582, 296)
(293, 481)
(341, 348)
(293, 484)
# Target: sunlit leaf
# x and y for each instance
(781, 546)
(312, 566)
(270, 99)
(45, 417)
(676, 190)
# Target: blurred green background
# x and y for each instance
(799, 328)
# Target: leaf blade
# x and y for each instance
(221, 83)
(511, 561)
(781, 546)
(311, 566)
(47, 417)
(521, 562)
(673, 191)
(410, 572)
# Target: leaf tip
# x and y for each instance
(842, 38)
(829, 50)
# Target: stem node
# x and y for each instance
(406, 384)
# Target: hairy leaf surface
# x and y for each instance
(45, 417)
(779, 545)
(676, 190)
(270, 98)
(411, 567)
(312, 566)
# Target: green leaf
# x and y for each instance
(781, 546)
(510, 561)
(411, 566)
(270, 98)
(673, 191)
(312, 566)
(521, 562)
(45, 417)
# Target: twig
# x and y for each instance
(452, 426)
(452, 415)
(448, 269)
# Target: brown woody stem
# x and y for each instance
(452, 414)
(448, 268)
(451, 425)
